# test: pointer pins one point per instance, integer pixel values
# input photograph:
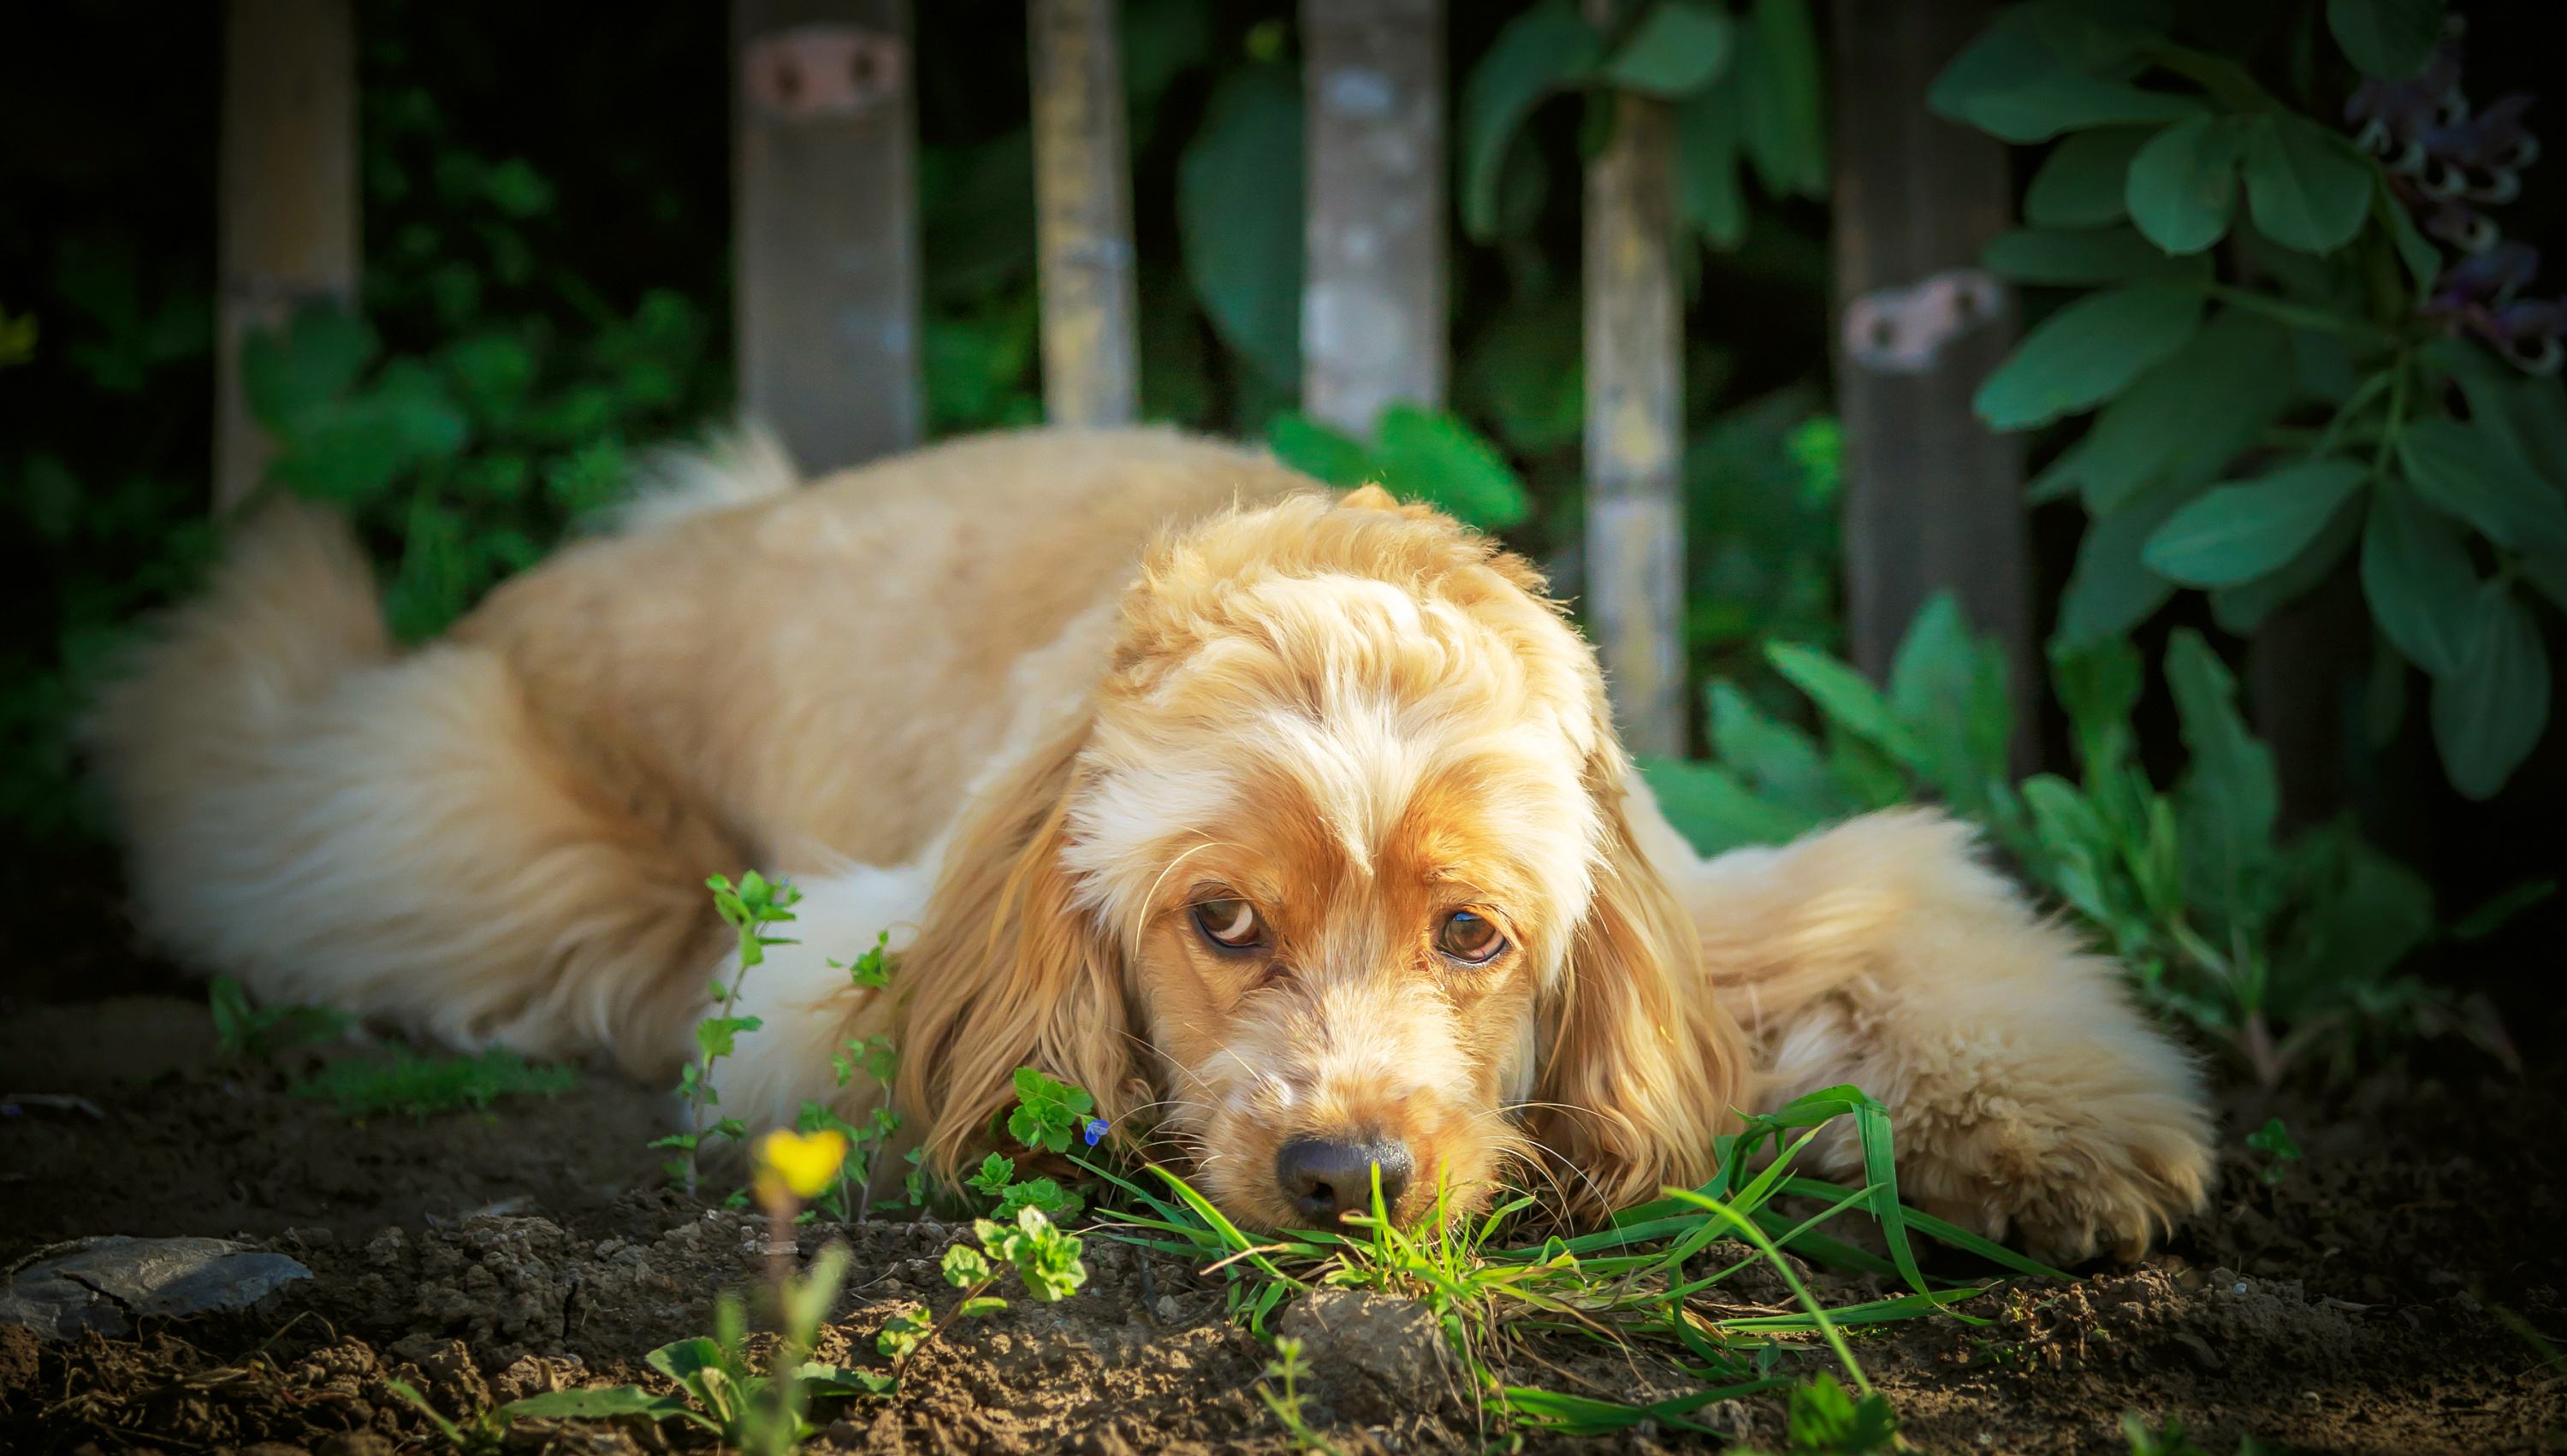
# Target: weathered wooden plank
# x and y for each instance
(1932, 498)
(1634, 423)
(1083, 214)
(1372, 304)
(826, 227)
(287, 233)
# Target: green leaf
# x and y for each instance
(1541, 50)
(2184, 184)
(1240, 229)
(2084, 182)
(2040, 69)
(2487, 717)
(2465, 471)
(2306, 187)
(2111, 590)
(1716, 812)
(2061, 257)
(2229, 788)
(2240, 610)
(2182, 421)
(1782, 99)
(1708, 195)
(313, 360)
(2416, 575)
(965, 1266)
(979, 1304)
(1678, 48)
(2529, 415)
(682, 1360)
(1319, 451)
(2088, 352)
(1429, 455)
(2390, 39)
(593, 1403)
(1776, 757)
(2047, 105)
(1950, 691)
(1848, 701)
(2244, 529)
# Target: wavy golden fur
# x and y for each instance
(1053, 708)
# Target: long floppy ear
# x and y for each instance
(1006, 972)
(1641, 1064)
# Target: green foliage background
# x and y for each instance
(546, 294)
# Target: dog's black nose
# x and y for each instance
(1324, 1177)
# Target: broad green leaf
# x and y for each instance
(2239, 610)
(1848, 701)
(2184, 184)
(1429, 455)
(2047, 105)
(314, 358)
(2088, 352)
(2100, 688)
(1240, 230)
(2390, 39)
(1782, 99)
(1317, 450)
(2182, 421)
(1541, 50)
(683, 1359)
(2026, 70)
(1778, 759)
(2065, 257)
(2416, 575)
(2085, 180)
(2111, 590)
(1679, 47)
(2487, 717)
(2306, 187)
(2528, 413)
(1708, 194)
(2465, 471)
(1716, 812)
(2244, 529)
(2231, 797)
(1950, 691)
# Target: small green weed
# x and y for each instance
(247, 1032)
(1046, 1262)
(748, 909)
(416, 1084)
(850, 1199)
(1287, 1367)
(2275, 1142)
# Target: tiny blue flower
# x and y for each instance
(1096, 1129)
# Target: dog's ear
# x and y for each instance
(1641, 1064)
(1006, 972)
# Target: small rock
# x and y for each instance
(106, 1284)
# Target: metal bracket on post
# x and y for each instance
(1904, 330)
(812, 70)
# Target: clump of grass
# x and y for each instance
(1643, 1283)
(418, 1084)
(247, 1032)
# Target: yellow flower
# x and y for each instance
(803, 1162)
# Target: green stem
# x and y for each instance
(2299, 316)
(704, 1093)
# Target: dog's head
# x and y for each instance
(1333, 876)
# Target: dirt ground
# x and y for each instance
(2372, 1301)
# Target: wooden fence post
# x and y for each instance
(1083, 214)
(1372, 305)
(1634, 425)
(825, 227)
(1932, 496)
(287, 233)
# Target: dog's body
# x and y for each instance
(1164, 770)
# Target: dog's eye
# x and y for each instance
(1230, 924)
(1470, 938)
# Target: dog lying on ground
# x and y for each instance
(1290, 825)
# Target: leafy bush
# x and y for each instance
(2278, 948)
(2274, 385)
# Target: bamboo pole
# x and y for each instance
(1634, 423)
(1083, 214)
(826, 227)
(1372, 308)
(287, 198)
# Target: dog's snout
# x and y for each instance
(1325, 1178)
